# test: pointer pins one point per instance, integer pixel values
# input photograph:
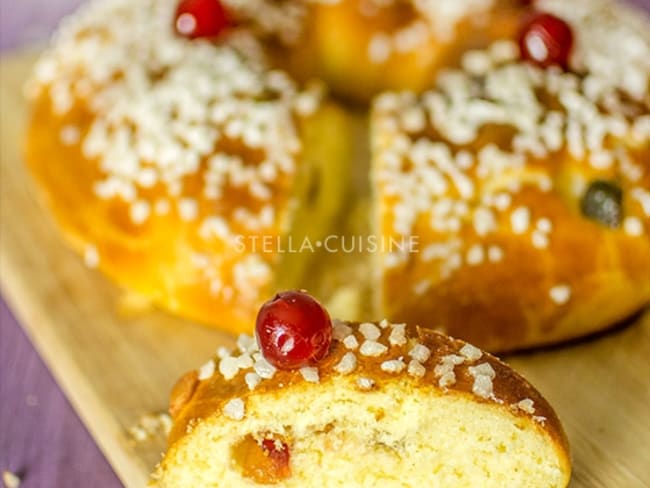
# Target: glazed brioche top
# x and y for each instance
(162, 103)
(501, 149)
(201, 131)
(286, 19)
(206, 131)
(370, 354)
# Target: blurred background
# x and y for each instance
(31, 21)
(28, 21)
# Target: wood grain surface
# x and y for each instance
(116, 366)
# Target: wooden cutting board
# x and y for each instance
(116, 365)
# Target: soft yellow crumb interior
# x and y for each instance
(394, 437)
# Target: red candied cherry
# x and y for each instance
(546, 40)
(278, 456)
(293, 330)
(265, 463)
(201, 18)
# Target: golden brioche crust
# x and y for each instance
(193, 399)
(165, 259)
(489, 169)
(393, 45)
(508, 303)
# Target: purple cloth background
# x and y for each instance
(41, 438)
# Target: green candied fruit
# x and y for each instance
(603, 202)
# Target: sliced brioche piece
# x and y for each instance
(391, 405)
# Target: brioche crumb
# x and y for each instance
(444, 440)
(11, 480)
(150, 425)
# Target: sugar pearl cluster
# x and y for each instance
(438, 18)
(614, 43)
(436, 22)
(467, 192)
(377, 349)
(444, 15)
(169, 114)
(284, 20)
